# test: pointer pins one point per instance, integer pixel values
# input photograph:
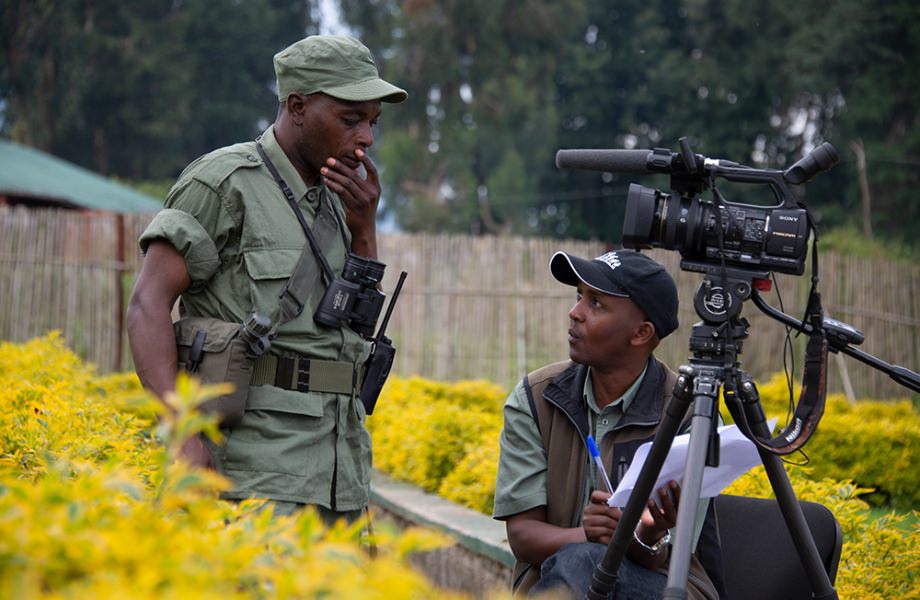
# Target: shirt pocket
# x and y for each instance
(269, 270)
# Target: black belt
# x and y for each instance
(306, 374)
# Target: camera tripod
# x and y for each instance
(715, 345)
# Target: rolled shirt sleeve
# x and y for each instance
(521, 481)
(196, 223)
(189, 238)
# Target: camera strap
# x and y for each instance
(810, 406)
(302, 281)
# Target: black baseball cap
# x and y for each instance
(628, 274)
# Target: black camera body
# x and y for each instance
(353, 298)
(771, 238)
(711, 232)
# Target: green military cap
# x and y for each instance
(336, 65)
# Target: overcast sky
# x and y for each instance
(331, 24)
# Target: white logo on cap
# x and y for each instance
(610, 259)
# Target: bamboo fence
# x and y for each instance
(471, 307)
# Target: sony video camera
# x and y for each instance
(708, 232)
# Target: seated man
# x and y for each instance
(613, 388)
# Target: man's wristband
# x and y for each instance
(656, 548)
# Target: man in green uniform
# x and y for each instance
(228, 240)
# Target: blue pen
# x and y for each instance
(596, 456)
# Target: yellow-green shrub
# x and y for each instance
(875, 444)
(52, 405)
(95, 532)
(92, 507)
(422, 430)
(880, 558)
(472, 482)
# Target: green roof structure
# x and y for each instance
(30, 176)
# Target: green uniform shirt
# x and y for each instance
(229, 219)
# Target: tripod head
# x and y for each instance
(716, 341)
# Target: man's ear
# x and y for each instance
(644, 333)
(295, 104)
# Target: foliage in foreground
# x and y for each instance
(93, 506)
(874, 444)
(444, 438)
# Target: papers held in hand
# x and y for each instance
(737, 456)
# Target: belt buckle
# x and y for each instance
(303, 375)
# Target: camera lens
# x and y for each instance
(640, 217)
(657, 220)
(745, 235)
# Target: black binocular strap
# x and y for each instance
(295, 291)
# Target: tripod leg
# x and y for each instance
(705, 394)
(785, 495)
(605, 575)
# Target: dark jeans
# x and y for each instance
(572, 568)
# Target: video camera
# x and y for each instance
(706, 232)
(734, 246)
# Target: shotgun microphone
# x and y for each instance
(614, 161)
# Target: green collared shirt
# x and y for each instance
(602, 421)
(228, 217)
(521, 481)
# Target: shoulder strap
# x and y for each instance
(296, 289)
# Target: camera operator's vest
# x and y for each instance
(555, 394)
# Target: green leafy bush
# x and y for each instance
(444, 438)
(875, 444)
(93, 506)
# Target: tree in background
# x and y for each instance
(859, 62)
(759, 84)
(649, 73)
(467, 151)
(138, 89)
